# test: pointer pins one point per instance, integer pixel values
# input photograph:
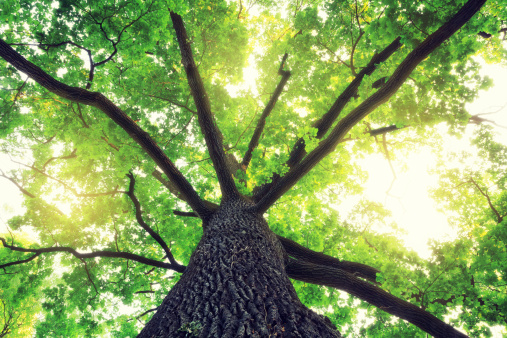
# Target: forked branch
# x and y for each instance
(370, 104)
(499, 218)
(99, 101)
(143, 224)
(103, 253)
(207, 122)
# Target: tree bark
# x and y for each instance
(342, 280)
(236, 286)
(207, 122)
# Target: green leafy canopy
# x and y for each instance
(73, 164)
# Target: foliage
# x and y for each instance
(72, 160)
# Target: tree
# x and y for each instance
(148, 173)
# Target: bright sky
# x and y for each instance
(10, 196)
(408, 199)
(411, 206)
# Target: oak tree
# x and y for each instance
(157, 184)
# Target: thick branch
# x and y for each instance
(184, 213)
(143, 224)
(326, 121)
(370, 104)
(103, 253)
(339, 279)
(254, 142)
(301, 253)
(47, 46)
(99, 101)
(205, 117)
(384, 130)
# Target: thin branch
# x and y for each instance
(65, 157)
(145, 226)
(175, 191)
(177, 134)
(352, 67)
(147, 311)
(267, 110)
(342, 280)
(205, 117)
(99, 101)
(80, 115)
(399, 76)
(173, 102)
(89, 277)
(18, 93)
(491, 206)
(114, 44)
(22, 261)
(102, 253)
(322, 44)
(67, 187)
(23, 190)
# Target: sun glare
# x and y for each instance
(406, 196)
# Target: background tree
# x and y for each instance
(150, 174)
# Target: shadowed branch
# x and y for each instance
(302, 253)
(254, 142)
(143, 224)
(342, 280)
(99, 101)
(102, 253)
(399, 76)
(207, 122)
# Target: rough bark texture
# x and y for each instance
(236, 286)
(205, 117)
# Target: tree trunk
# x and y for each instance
(236, 286)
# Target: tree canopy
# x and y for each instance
(126, 123)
